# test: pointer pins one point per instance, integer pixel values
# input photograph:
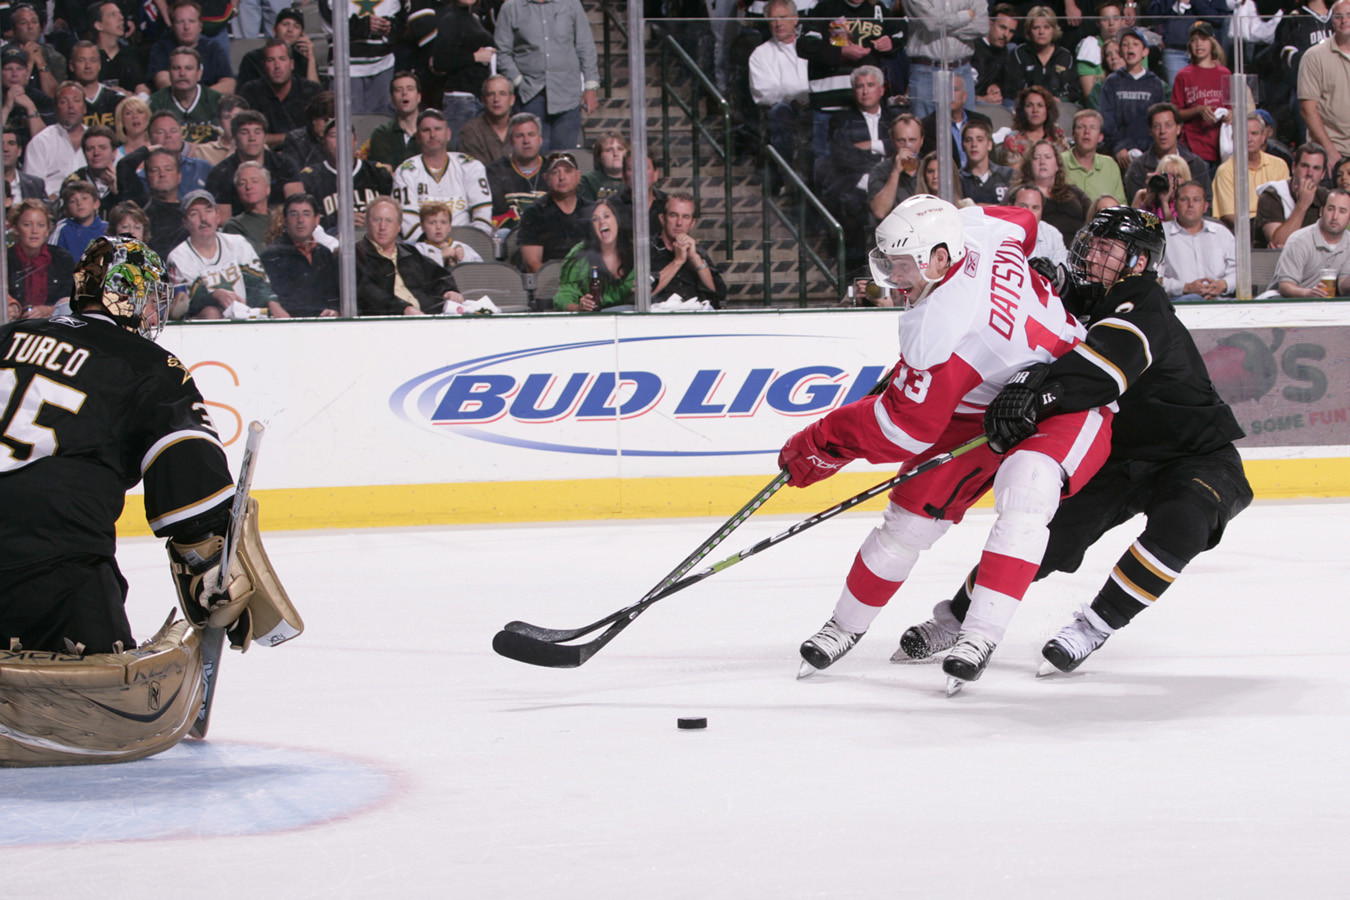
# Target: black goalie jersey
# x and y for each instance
(88, 409)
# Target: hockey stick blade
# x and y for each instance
(559, 635)
(525, 646)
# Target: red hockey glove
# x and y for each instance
(807, 458)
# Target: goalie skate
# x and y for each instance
(826, 647)
(1075, 642)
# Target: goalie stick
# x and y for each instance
(213, 637)
(524, 645)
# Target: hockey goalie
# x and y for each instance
(89, 406)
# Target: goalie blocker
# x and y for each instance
(255, 606)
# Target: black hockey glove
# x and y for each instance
(1011, 418)
(1055, 273)
(1058, 276)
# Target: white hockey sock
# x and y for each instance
(989, 613)
(854, 615)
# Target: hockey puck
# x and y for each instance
(691, 723)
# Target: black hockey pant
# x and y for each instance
(1187, 503)
(80, 598)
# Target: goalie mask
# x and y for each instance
(127, 279)
(1108, 248)
(906, 241)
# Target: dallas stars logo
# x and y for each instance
(366, 7)
(175, 363)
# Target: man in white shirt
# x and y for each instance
(1319, 248)
(1201, 260)
(1049, 242)
(54, 152)
(778, 79)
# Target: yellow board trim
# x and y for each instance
(468, 503)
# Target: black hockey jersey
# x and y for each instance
(368, 182)
(1140, 355)
(88, 409)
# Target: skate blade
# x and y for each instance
(954, 685)
(902, 658)
(806, 670)
(1047, 669)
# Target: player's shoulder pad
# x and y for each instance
(930, 332)
(1136, 293)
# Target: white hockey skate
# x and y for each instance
(967, 659)
(826, 647)
(1074, 643)
(923, 642)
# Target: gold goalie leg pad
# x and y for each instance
(268, 616)
(61, 709)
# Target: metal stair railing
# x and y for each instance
(721, 144)
(806, 254)
(613, 20)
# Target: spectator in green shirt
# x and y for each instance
(607, 253)
(1095, 174)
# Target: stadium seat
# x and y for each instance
(1263, 269)
(998, 115)
(476, 239)
(546, 285)
(240, 47)
(1067, 111)
(492, 279)
(364, 125)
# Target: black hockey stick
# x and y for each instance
(534, 633)
(523, 647)
(557, 635)
(213, 638)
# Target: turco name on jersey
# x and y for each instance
(87, 410)
(462, 185)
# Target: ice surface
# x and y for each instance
(388, 752)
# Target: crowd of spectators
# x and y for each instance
(133, 116)
(1124, 103)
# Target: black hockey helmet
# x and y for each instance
(127, 279)
(1108, 248)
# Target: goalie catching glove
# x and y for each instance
(254, 605)
(1025, 400)
(196, 574)
(809, 458)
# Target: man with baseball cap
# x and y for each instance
(552, 225)
(220, 274)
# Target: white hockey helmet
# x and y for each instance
(916, 228)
